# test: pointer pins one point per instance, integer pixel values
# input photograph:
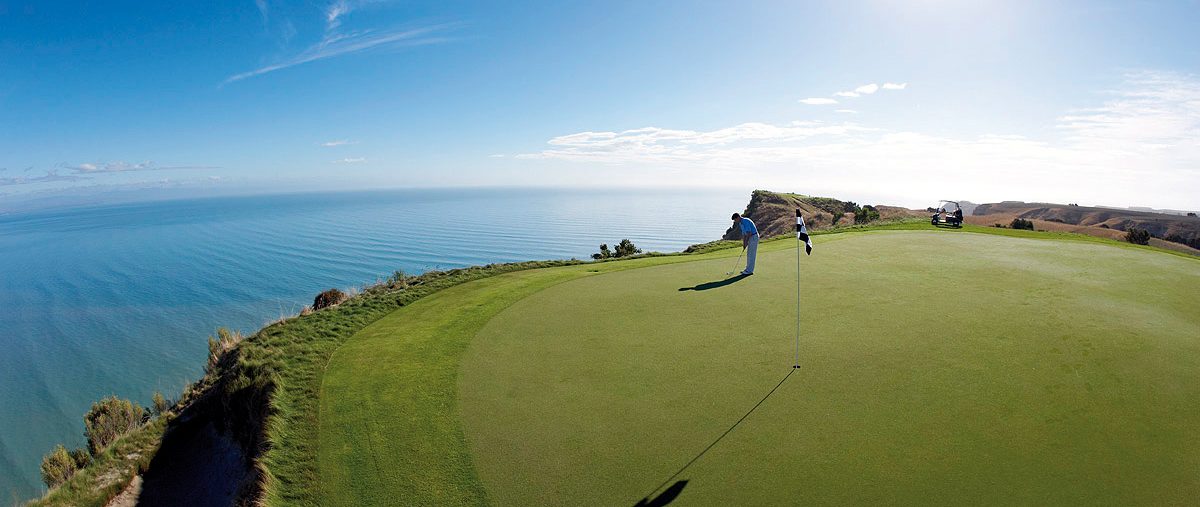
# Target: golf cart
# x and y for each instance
(945, 216)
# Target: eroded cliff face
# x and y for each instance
(775, 213)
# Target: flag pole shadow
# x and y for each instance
(715, 285)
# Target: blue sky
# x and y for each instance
(1089, 102)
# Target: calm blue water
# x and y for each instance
(119, 299)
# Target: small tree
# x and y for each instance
(604, 252)
(1138, 236)
(108, 419)
(57, 467)
(626, 248)
(1191, 213)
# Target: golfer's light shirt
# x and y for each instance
(748, 226)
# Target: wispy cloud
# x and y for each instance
(333, 14)
(264, 10)
(50, 176)
(350, 160)
(818, 101)
(1140, 144)
(847, 94)
(121, 167)
(354, 42)
(846, 111)
(496, 155)
(895, 86)
(338, 142)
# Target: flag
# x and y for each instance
(802, 233)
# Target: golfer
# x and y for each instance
(749, 240)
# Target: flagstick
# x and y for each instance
(797, 364)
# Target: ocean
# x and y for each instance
(119, 299)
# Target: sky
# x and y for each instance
(885, 101)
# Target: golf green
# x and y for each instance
(939, 367)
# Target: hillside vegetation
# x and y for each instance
(1102, 222)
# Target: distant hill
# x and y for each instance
(1171, 230)
(774, 213)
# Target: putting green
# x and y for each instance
(937, 368)
(940, 367)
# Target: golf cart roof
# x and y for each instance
(947, 201)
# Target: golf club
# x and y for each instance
(737, 262)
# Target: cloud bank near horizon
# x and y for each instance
(1145, 135)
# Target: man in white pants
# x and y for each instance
(749, 240)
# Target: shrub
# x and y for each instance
(626, 248)
(160, 403)
(218, 346)
(108, 419)
(604, 252)
(1138, 236)
(998, 226)
(81, 458)
(866, 214)
(1021, 223)
(57, 467)
(331, 297)
(1191, 213)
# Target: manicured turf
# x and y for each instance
(939, 367)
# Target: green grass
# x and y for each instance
(111, 471)
(1065, 373)
(938, 368)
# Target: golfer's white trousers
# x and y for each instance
(751, 253)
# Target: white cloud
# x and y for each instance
(895, 86)
(496, 155)
(350, 160)
(334, 12)
(846, 94)
(818, 101)
(867, 89)
(846, 111)
(1141, 145)
(338, 142)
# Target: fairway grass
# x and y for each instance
(939, 367)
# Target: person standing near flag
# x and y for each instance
(749, 240)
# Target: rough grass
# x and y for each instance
(939, 368)
(110, 472)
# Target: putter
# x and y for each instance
(737, 262)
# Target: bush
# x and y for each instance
(1020, 223)
(108, 419)
(1191, 214)
(604, 252)
(57, 467)
(331, 297)
(1138, 236)
(866, 214)
(160, 403)
(81, 458)
(626, 248)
